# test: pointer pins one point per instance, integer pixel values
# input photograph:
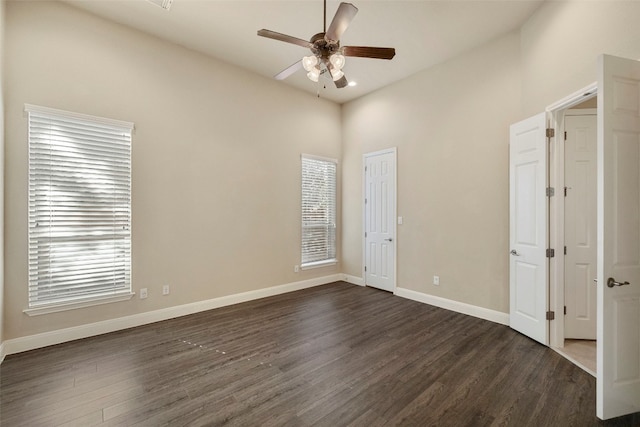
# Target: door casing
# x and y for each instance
(556, 208)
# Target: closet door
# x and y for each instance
(528, 267)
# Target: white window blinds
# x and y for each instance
(79, 207)
(318, 211)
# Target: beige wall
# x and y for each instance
(2, 27)
(451, 126)
(561, 43)
(236, 130)
(216, 159)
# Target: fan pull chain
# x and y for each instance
(324, 86)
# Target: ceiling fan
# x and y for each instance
(326, 53)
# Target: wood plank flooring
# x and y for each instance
(334, 355)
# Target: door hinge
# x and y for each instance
(365, 168)
(551, 191)
(565, 191)
(565, 310)
(551, 253)
(551, 315)
(365, 268)
(365, 234)
(565, 250)
(365, 201)
(565, 135)
(551, 132)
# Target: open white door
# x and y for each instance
(528, 228)
(618, 205)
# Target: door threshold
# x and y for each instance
(573, 360)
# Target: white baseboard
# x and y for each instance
(460, 307)
(31, 342)
(353, 280)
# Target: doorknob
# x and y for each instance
(514, 252)
(611, 282)
(388, 240)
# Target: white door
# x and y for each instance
(618, 210)
(528, 228)
(380, 205)
(580, 226)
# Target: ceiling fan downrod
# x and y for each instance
(324, 22)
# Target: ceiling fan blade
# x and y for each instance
(343, 17)
(369, 52)
(289, 70)
(284, 38)
(341, 82)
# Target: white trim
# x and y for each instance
(314, 157)
(3, 352)
(353, 280)
(556, 226)
(331, 249)
(103, 120)
(574, 99)
(54, 308)
(459, 307)
(318, 264)
(45, 339)
(558, 111)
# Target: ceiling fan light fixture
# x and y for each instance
(337, 60)
(314, 74)
(309, 62)
(336, 74)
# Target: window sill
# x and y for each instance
(54, 308)
(318, 264)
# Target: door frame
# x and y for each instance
(394, 151)
(556, 303)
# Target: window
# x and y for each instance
(318, 211)
(79, 209)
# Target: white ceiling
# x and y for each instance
(424, 33)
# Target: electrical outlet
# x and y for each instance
(296, 269)
(165, 290)
(436, 280)
(143, 293)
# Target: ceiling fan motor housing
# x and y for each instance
(322, 47)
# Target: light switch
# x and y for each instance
(399, 220)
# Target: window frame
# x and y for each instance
(331, 258)
(83, 144)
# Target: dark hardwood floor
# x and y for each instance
(333, 355)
